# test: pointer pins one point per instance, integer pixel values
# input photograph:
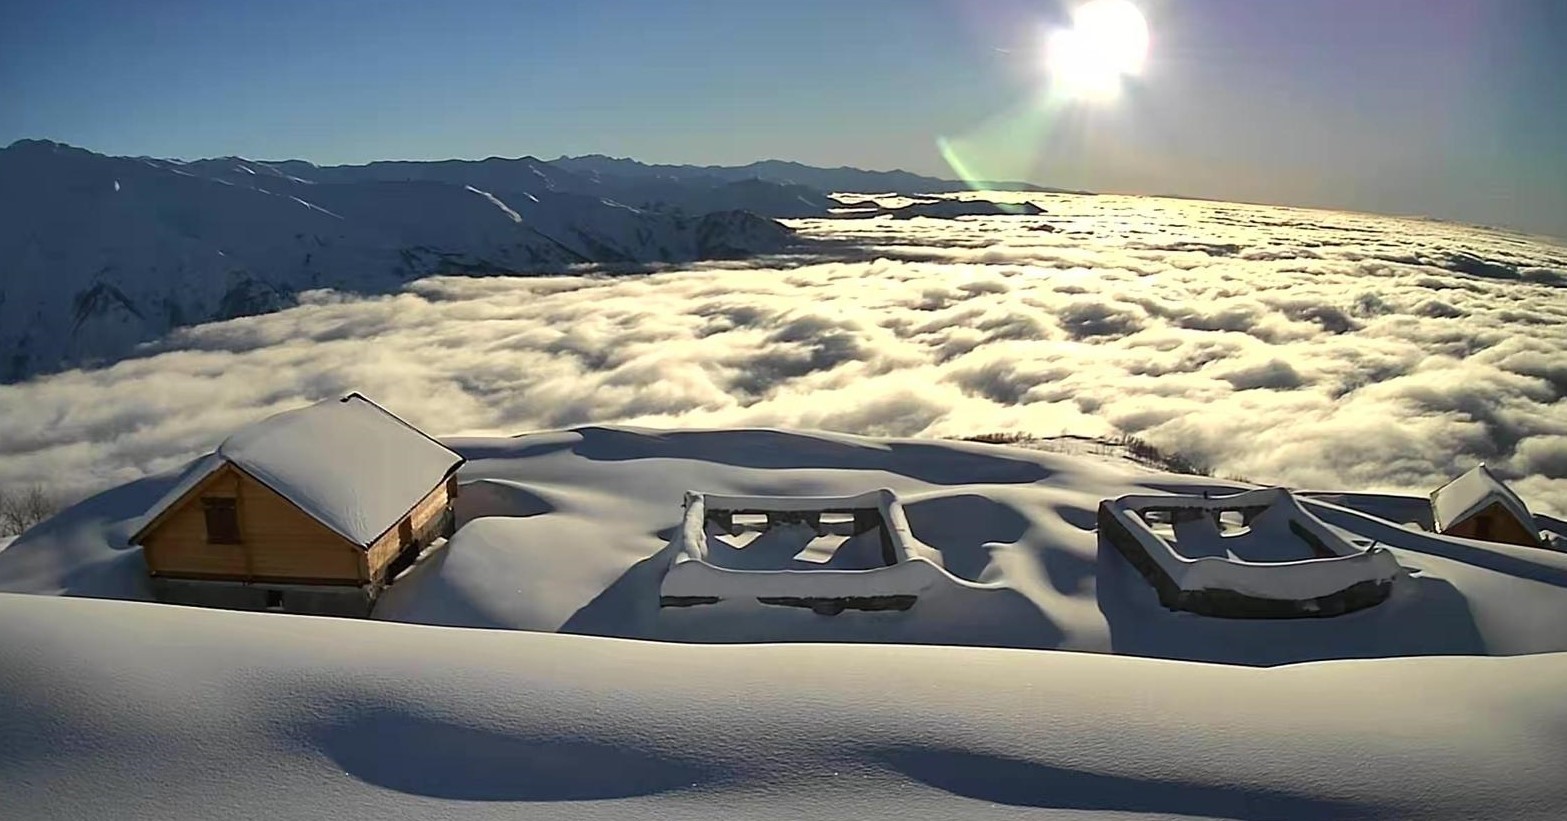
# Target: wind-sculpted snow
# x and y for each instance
(1312, 348)
(134, 711)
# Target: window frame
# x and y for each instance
(213, 508)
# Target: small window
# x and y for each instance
(222, 519)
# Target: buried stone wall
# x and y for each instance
(904, 570)
(1338, 579)
(308, 599)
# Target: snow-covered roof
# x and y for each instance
(1472, 492)
(348, 463)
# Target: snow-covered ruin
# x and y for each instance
(1255, 554)
(826, 553)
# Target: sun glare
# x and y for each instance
(1108, 41)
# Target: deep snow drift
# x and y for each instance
(134, 711)
(575, 532)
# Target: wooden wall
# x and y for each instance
(419, 522)
(178, 546)
(279, 542)
(1502, 528)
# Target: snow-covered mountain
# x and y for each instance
(686, 191)
(791, 173)
(99, 253)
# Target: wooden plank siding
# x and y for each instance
(279, 542)
(1494, 524)
(178, 545)
(425, 516)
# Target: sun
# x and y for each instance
(1108, 41)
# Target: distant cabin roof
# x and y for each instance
(1472, 492)
(348, 463)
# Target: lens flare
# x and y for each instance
(1108, 40)
(1084, 64)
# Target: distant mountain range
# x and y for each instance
(99, 253)
(781, 172)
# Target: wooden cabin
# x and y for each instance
(1477, 505)
(312, 510)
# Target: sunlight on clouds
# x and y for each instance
(1318, 349)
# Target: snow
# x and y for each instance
(347, 462)
(135, 711)
(1468, 494)
(571, 531)
(1200, 558)
(505, 209)
(198, 241)
(704, 565)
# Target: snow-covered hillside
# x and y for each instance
(99, 253)
(690, 191)
(574, 531)
(134, 711)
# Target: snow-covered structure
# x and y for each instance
(1477, 505)
(308, 511)
(876, 563)
(1254, 554)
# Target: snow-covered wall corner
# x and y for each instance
(690, 539)
(1340, 578)
(693, 579)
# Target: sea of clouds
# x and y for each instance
(1316, 349)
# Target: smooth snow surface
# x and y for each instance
(572, 531)
(135, 711)
(1468, 494)
(347, 462)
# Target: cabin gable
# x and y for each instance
(276, 540)
(1494, 523)
(175, 543)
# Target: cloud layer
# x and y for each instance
(1318, 349)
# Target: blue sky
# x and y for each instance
(1452, 108)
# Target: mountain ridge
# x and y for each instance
(841, 178)
(101, 253)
